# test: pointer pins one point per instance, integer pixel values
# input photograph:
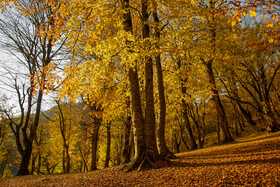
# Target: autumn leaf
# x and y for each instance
(233, 23)
(253, 13)
(248, 162)
(268, 25)
(214, 15)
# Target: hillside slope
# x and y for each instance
(251, 161)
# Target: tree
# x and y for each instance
(211, 22)
(164, 152)
(108, 148)
(20, 30)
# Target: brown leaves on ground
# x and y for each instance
(244, 163)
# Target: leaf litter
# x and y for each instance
(254, 162)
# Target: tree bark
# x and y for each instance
(151, 146)
(108, 149)
(144, 132)
(25, 159)
(163, 150)
(94, 140)
(126, 147)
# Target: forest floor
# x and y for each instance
(249, 161)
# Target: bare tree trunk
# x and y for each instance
(94, 139)
(108, 149)
(164, 152)
(137, 115)
(151, 146)
(25, 159)
(28, 139)
(126, 151)
(144, 133)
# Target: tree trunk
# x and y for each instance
(247, 115)
(2, 168)
(25, 159)
(33, 163)
(66, 155)
(222, 119)
(144, 133)
(108, 149)
(39, 163)
(191, 141)
(176, 141)
(223, 122)
(164, 152)
(63, 160)
(151, 146)
(137, 115)
(94, 139)
(273, 126)
(67, 169)
(126, 147)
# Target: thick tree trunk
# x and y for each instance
(108, 149)
(26, 152)
(137, 115)
(25, 160)
(144, 132)
(126, 147)
(163, 150)
(151, 146)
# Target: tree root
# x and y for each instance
(143, 161)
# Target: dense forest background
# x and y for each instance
(92, 84)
